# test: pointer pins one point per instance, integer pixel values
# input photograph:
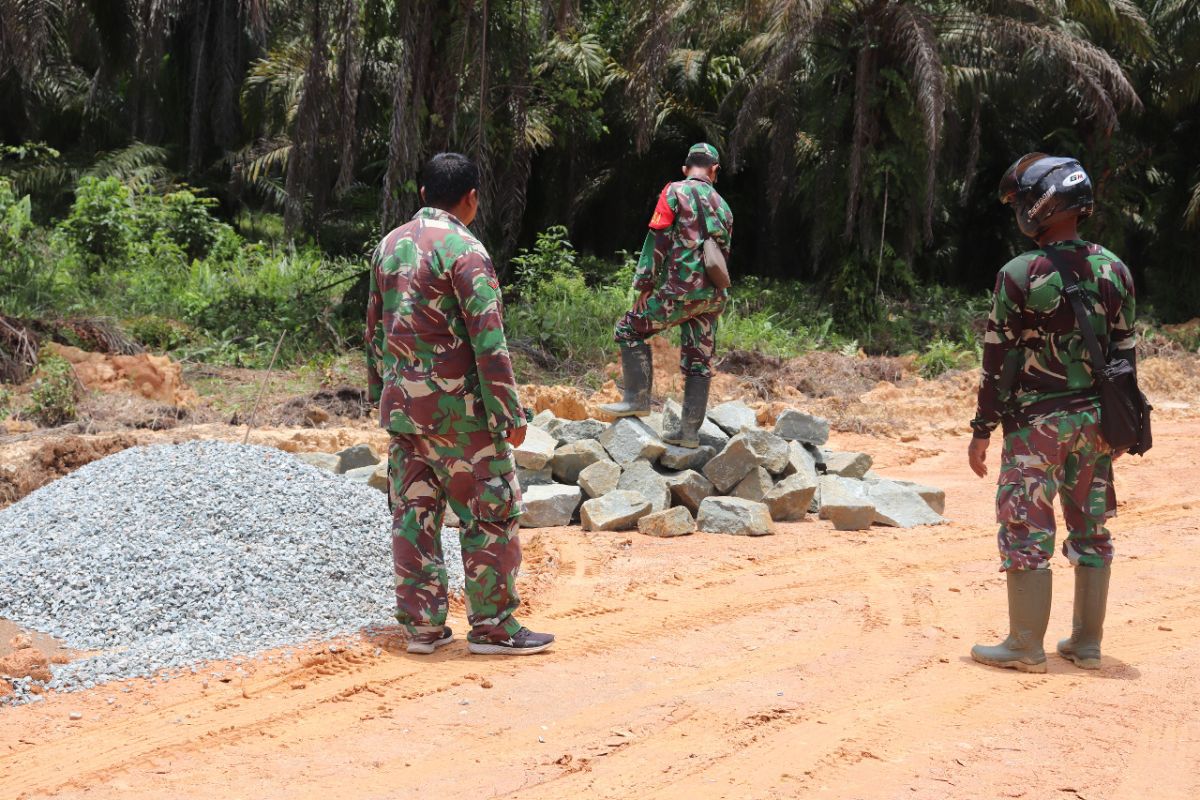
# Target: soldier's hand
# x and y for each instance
(639, 305)
(977, 456)
(515, 436)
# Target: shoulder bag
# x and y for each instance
(1124, 412)
(714, 259)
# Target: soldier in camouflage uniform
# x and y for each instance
(438, 366)
(1037, 383)
(688, 212)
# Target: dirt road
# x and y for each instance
(806, 664)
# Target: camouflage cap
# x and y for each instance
(704, 149)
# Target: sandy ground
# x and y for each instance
(811, 663)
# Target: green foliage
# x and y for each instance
(563, 317)
(185, 218)
(184, 279)
(6, 398)
(102, 223)
(160, 333)
(27, 275)
(53, 394)
(941, 356)
(552, 255)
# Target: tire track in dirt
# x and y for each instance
(808, 662)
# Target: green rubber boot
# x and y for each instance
(638, 371)
(1087, 625)
(691, 417)
(1029, 594)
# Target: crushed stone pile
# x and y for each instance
(157, 558)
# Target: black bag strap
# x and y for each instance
(1074, 294)
(700, 213)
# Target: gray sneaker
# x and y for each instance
(522, 643)
(425, 643)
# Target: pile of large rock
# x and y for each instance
(741, 480)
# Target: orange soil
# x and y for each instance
(811, 663)
(153, 377)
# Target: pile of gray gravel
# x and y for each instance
(157, 558)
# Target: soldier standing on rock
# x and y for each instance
(1037, 379)
(688, 212)
(438, 366)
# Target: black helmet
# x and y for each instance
(1043, 189)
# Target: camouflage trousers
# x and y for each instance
(1059, 454)
(697, 321)
(474, 474)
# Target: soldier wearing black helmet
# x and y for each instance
(1037, 384)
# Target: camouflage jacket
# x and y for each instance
(437, 359)
(1033, 329)
(675, 237)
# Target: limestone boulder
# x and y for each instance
(375, 476)
(796, 426)
(755, 485)
(570, 459)
(545, 419)
(851, 516)
(790, 499)
(933, 496)
(732, 464)
(675, 521)
(688, 488)
(846, 503)
(686, 457)
(600, 478)
(734, 516)
(537, 449)
(848, 465)
(355, 457)
(800, 462)
(534, 477)
(900, 506)
(326, 461)
(733, 417)
(640, 477)
(616, 511)
(550, 506)
(771, 451)
(629, 439)
(575, 430)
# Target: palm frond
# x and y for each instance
(913, 37)
(1120, 20)
(1191, 217)
(137, 165)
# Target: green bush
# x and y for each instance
(160, 333)
(186, 219)
(53, 394)
(565, 318)
(941, 356)
(552, 255)
(5, 403)
(102, 223)
(29, 273)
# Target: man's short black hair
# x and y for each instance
(699, 160)
(447, 177)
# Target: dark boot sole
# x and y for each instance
(1020, 666)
